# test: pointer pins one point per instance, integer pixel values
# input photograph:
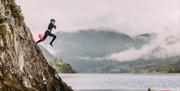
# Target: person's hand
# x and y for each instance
(55, 26)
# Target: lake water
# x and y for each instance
(123, 82)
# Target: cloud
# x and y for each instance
(87, 58)
(128, 16)
(166, 44)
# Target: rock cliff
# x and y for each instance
(22, 64)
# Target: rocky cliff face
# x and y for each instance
(22, 65)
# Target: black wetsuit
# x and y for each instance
(48, 33)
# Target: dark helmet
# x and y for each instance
(52, 20)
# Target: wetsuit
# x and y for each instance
(48, 33)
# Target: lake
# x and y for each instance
(123, 82)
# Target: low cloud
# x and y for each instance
(87, 58)
(165, 44)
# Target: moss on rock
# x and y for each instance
(3, 19)
(3, 31)
(16, 11)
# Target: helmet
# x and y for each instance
(52, 20)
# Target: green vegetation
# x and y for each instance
(60, 66)
(157, 69)
(10, 81)
(16, 11)
(3, 1)
(3, 19)
(3, 31)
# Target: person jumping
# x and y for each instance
(48, 32)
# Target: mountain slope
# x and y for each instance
(55, 62)
(84, 49)
(107, 51)
(22, 65)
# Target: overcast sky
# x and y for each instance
(128, 16)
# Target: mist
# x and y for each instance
(166, 44)
(128, 16)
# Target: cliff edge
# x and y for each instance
(22, 64)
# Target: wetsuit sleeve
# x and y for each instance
(54, 26)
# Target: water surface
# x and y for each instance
(122, 82)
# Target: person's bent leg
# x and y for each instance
(39, 41)
(44, 37)
(54, 37)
